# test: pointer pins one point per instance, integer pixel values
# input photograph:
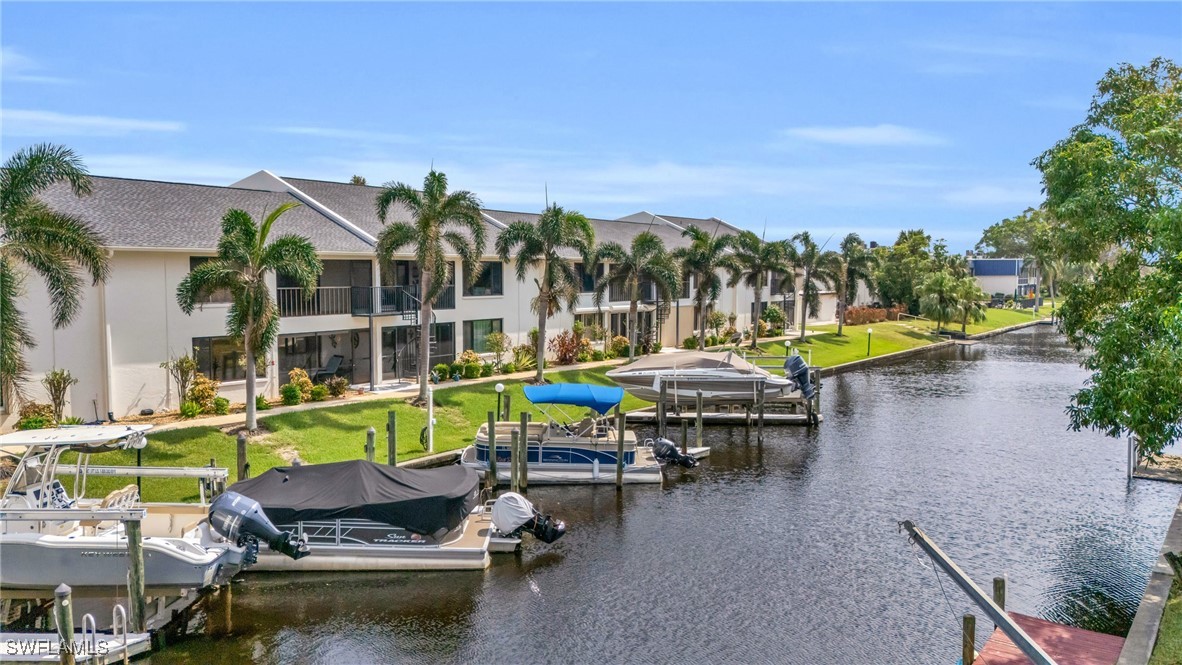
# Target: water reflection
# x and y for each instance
(782, 552)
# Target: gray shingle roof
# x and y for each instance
(614, 230)
(712, 224)
(151, 214)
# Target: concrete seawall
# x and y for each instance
(1142, 635)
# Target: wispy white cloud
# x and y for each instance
(18, 67)
(1017, 194)
(359, 135)
(161, 167)
(869, 135)
(49, 124)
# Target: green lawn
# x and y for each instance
(330, 434)
(1168, 649)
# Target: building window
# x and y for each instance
(223, 359)
(476, 333)
(219, 296)
(316, 351)
(489, 282)
(586, 279)
(685, 285)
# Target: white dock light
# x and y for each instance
(500, 389)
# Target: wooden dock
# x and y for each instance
(649, 415)
(1065, 644)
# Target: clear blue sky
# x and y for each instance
(828, 118)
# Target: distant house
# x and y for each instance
(1004, 276)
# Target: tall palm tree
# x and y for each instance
(857, 266)
(58, 247)
(645, 261)
(540, 246)
(816, 267)
(246, 255)
(752, 261)
(970, 302)
(703, 259)
(939, 295)
(438, 217)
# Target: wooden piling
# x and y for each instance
(242, 467)
(514, 461)
(63, 616)
(747, 420)
(684, 436)
(699, 405)
(492, 449)
(225, 600)
(523, 474)
(391, 438)
(621, 422)
(968, 640)
(135, 578)
(508, 397)
(371, 436)
(762, 402)
(662, 410)
(999, 592)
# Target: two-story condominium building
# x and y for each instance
(363, 317)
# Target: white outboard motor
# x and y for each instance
(667, 451)
(512, 512)
(241, 519)
(798, 371)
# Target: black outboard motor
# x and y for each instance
(513, 513)
(241, 519)
(667, 451)
(796, 368)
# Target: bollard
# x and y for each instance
(684, 436)
(698, 423)
(513, 460)
(63, 615)
(370, 436)
(391, 438)
(621, 423)
(135, 575)
(242, 468)
(968, 640)
(492, 449)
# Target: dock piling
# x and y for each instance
(135, 575)
(762, 402)
(513, 461)
(968, 640)
(698, 404)
(242, 467)
(63, 616)
(505, 416)
(391, 438)
(621, 421)
(684, 436)
(492, 450)
(662, 411)
(999, 591)
(371, 435)
(523, 474)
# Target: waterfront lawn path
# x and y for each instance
(330, 434)
(1168, 649)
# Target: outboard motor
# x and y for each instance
(667, 451)
(512, 513)
(241, 519)
(798, 371)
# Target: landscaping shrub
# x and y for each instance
(221, 405)
(763, 327)
(583, 357)
(72, 420)
(486, 369)
(498, 344)
(182, 370)
(597, 355)
(858, 316)
(727, 333)
(715, 320)
(525, 357)
(299, 378)
(202, 392)
(656, 347)
(456, 368)
(711, 340)
(261, 403)
(291, 394)
(56, 383)
(468, 357)
(443, 370)
(566, 346)
(35, 415)
(894, 312)
(509, 367)
(319, 393)
(190, 409)
(337, 386)
(619, 345)
(775, 316)
(690, 342)
(471, 370)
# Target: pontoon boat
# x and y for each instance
(723, 378)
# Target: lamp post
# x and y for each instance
(869, 332)
(500, 389)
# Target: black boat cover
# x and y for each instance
(423, 501)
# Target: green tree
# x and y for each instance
(703, 259)
(970, 302)
(541, 246)
(1010, 238)
(1113, 186)
(246, 256)
(438, 217)
(901, 267)
(357, 180)
(816, 267)
(938, 297)
(857, 267)
(645, 261)
(60, 248)
(751, 262)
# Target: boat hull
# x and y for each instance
(682, 390)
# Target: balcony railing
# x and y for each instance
(325, 300)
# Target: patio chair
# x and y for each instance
(329, 370)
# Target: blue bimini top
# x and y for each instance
(600, 398)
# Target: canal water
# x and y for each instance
(785, 552)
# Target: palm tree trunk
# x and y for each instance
(701, 321)
(424, 334)
(804, 303)
(251, 415)
(543, 308)
(755, 322)
(635, 289)
(842, 292)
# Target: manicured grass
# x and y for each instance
(330, 434)
(1168, 649)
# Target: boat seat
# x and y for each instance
(586, 427)
(120, 499)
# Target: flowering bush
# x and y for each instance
(619, 345)
(299, 378)
(894, 312)
(337, 386)
(469, 356)
(858, 316)
(567, 345)
(202, 392)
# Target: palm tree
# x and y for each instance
(857, 265)
(246, 255)
(752, 260)
(939, 296)
(540, 246)
(56, 246)
(646, 261)
(970, 303)
(816, 267)
(438, 217)
(703, 259)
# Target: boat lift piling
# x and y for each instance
(514, 463)
(492, 450)
(621, 421)
(243, 467)
(698, 404)
(523, 458)
(392, 438)
(663, 411)
(684, 437)
(63, 617)
(371, 436)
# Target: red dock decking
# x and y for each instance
(1066, 645)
